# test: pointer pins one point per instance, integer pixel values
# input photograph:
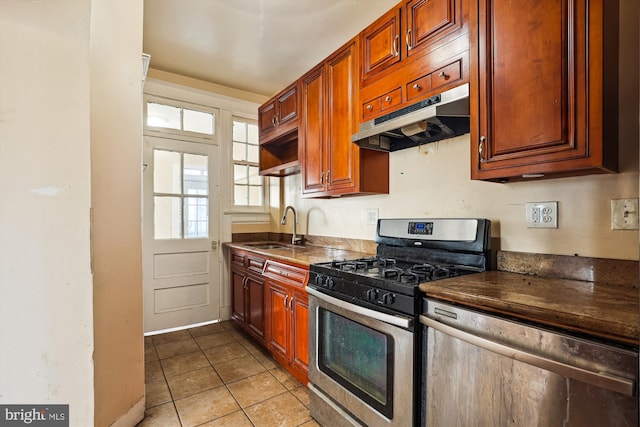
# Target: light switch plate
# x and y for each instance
(542, 214)
(372, 216)
(624, 214)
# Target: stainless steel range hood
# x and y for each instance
(439, 117)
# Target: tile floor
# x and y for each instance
(215, 376)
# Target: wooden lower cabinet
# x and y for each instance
(287, 320)
(269, 302)
(247, 289)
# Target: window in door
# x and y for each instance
(248, 185)
(180, 195)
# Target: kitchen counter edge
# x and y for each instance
(589, 308)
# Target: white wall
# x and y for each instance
(433, 181)
(46, 324)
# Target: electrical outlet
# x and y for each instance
(372, 216)
(542, 214)
(624, 214)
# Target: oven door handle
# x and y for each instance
(403, 322)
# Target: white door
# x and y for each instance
(181, 264)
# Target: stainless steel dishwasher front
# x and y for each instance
(483, 370)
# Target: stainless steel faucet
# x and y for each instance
(295, 240)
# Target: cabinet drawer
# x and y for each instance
(237, 258)
(370, 109)
(286, 273)
(418, 87)
(444, 75)
(255, 264)
(390, 99)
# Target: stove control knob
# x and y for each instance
(372, 295)
(388, 298)
(329, 284)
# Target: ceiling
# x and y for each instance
(255, 45)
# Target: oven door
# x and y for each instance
(361, 364)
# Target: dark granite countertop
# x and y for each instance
(592, 308)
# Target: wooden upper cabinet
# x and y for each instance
(428, 22)
(411, 29)
(543, 100)
(331, 164)
(381, 44)
(418, 49)
(279, 115)
(278, 121)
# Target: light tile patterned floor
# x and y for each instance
(215, 376)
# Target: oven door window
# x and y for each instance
(357, 357)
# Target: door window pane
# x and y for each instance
(166, 172)
(196, 219)
(196, 176)
(181, 188)
(167, 217)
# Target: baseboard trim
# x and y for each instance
(132, 417)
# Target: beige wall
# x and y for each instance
(433, 181)
(46, 315)
(116, 166)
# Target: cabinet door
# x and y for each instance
(381, 45)
(278, 299)
(342, 154)
(540, 96)
(300, 331)
(238, 309)
(287, 105)
(255, 306)
(429, 21)
(267, 117)
(312, 132)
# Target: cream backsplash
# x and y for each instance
(433, 181)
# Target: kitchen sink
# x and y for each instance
(269, 245)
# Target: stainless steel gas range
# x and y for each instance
(365, 341)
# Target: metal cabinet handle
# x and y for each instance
(291, 304)
(286, 297)
(369, 107)
(481, 148)
(407, 39)
(274, 120)
(322, 178)
(396, 39)
(328, 179)
(416, 86)
(442, 74)
(598, 379)
(387, 98)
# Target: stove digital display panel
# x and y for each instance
(422, 228)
